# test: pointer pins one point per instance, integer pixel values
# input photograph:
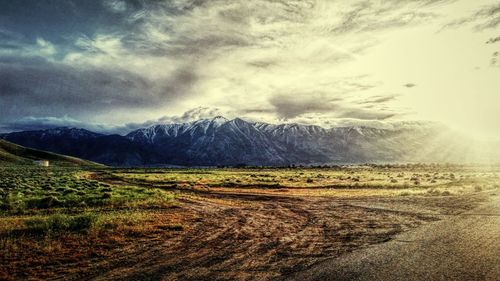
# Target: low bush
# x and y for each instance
(43, 202)
(60, 223)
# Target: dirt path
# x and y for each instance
(250, 236)
(255, 239)
(464, 247)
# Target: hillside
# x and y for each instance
(16, 154)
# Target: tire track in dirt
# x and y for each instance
(231, 236)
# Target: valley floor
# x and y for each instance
(237, 224)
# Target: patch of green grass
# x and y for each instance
(60, 223)
(31, 190)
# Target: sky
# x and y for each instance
(116, 65)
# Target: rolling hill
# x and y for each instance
(114, 150)
(15, 154)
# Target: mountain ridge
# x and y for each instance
(220, 141)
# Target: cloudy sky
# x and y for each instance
(118, 64)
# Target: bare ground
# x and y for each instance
(463, 247)
(239, 236)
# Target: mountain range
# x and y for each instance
(219, 141)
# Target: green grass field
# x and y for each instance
(61, 198)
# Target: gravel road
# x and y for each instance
(463, 247)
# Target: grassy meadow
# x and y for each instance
(360, 180)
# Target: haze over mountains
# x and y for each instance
(219, 141)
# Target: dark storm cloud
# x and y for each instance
(35, 87)
(358, 113)
(39, 75)
(50, 84)
(288, 107)
(30, 123)
(59, 20)
(68, 23)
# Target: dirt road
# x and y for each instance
(463, 247)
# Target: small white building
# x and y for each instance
(42, 163)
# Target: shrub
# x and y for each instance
(37, 225)
(82, 222)
(43, 203)
(106, 189)
(175, 227)
(69, 191)
(60, 223)
(106, 196)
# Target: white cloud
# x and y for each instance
(315, 61)
(246, 54)
(45, 48)
(117, 6)
(17, 48)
